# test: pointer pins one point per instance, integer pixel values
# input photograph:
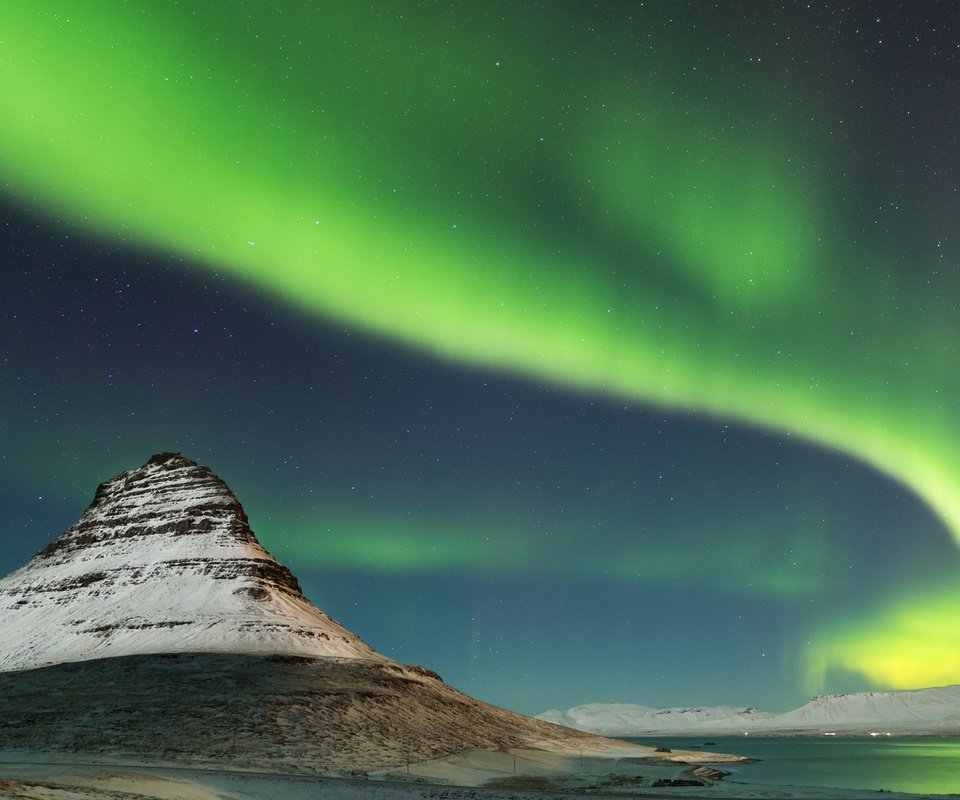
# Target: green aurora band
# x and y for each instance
(513, 200)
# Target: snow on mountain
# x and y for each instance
(624, 719)
(157, 626)
(906, 711)
(917, 711)
(163, 560)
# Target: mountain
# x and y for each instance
(163, 560)
(158, 628)
(624, 719)
(915, 711)
(906, 712)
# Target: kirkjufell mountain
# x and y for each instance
(157, 627)
(163, 560)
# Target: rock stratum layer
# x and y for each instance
(162, 561)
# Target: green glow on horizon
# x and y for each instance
(911, 642)
(394, 193)
(724, 560)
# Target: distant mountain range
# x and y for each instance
(934, 711)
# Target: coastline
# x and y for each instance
(516, 773)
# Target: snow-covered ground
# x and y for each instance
(918, 711)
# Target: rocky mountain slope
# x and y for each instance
(163, 560)
(286, 713)
(919, 711)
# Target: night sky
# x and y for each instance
(580, 352)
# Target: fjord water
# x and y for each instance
(919, 764)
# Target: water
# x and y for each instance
(920, 764)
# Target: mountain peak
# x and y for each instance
(163, 560)
(163, 458)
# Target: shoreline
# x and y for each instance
(517, 773)
(783, 734)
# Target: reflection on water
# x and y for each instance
(920, 764)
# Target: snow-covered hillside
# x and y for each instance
(623, 719)
(935, 710)
(163, 560)
(917, 711)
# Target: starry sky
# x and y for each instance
(581, 352)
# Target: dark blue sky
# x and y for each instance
(543, 541)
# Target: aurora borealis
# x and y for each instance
(549, 345)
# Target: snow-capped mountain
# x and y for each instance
(935, 710)
(158, 627)
(916, 711)
(163, 560)
(624, 719)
